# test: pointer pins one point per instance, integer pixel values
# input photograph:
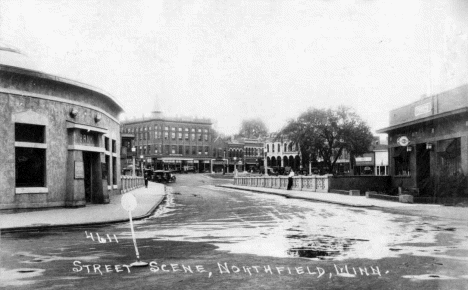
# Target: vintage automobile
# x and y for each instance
(163, 176)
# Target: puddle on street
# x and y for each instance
(273, 226)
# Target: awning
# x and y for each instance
(175, 158)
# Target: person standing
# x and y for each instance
(146, 180)
(290, 179)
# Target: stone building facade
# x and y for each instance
(60, 139)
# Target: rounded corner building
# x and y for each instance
(60, 139)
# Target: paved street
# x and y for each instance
(205, 237)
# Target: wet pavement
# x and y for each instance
(210, 238)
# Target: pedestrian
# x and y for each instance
(290, 179)
(146, 180)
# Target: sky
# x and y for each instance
(233, 60)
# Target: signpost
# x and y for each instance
(129, 203)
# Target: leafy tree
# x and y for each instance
(323, 134)
(253, 128)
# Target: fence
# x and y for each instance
(315, 183)
(131, 182)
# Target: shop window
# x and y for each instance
(402, 161)
(30, 159)
(173, 149)
(181, 149)
(449, 157)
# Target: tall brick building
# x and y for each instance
(173, 143)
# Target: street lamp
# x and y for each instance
(141, 165)
(235, 165)
(133, 161)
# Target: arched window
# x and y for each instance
(268, 147)
(285, 147)
(279, 147)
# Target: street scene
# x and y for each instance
(209, 237)
(264, 144)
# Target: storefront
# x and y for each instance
(428, 146)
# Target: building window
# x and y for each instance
(180, 129)
(268, 147)
(114, 170)
(186, 129)
(206, 150)
(206, 136)
(106, 143)
(181, 150)
(180, 136)
(187, 150)
(114, 146)
(194, 150)
(166, 128)
(166, 149)
(193, 136)
(173, 149)
(186, 136)
(166, 135)
(199, 150)
(173, 135)
(284, 150)
(107, 175)
(199, 130)
(30, 161)
(279, 147)
(199, 137)
(272, 147)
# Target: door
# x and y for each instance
(88, 176)
(423, 170)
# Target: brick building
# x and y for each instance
(171, 143)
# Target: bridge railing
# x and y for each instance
(131, 182)
(315, 183)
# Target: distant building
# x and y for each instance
(282, 153)
(375, 162)
(172, 143)
(428, 145)
(60, 141)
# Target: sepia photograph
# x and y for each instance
(234, 144)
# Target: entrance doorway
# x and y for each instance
(92, 177)
(423, 170)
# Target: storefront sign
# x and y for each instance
(79, 169)
(403, 141)
(423, 109)
(363, 159)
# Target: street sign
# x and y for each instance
(403, 141)
(128, 201)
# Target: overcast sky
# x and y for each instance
(230, 60)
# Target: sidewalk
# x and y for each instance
(429, 210)
(148, 200)
(341, 199)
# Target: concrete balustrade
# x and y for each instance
(131, 182)
(314, 183)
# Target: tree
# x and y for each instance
(253, 128)
(324, 134)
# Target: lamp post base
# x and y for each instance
(139, 264)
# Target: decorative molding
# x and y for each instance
(24, 190)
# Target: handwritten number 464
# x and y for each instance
(101, 239)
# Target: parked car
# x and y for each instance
(270, 172)
(164, 176)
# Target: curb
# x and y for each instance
(300, 197)
(64, 226)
